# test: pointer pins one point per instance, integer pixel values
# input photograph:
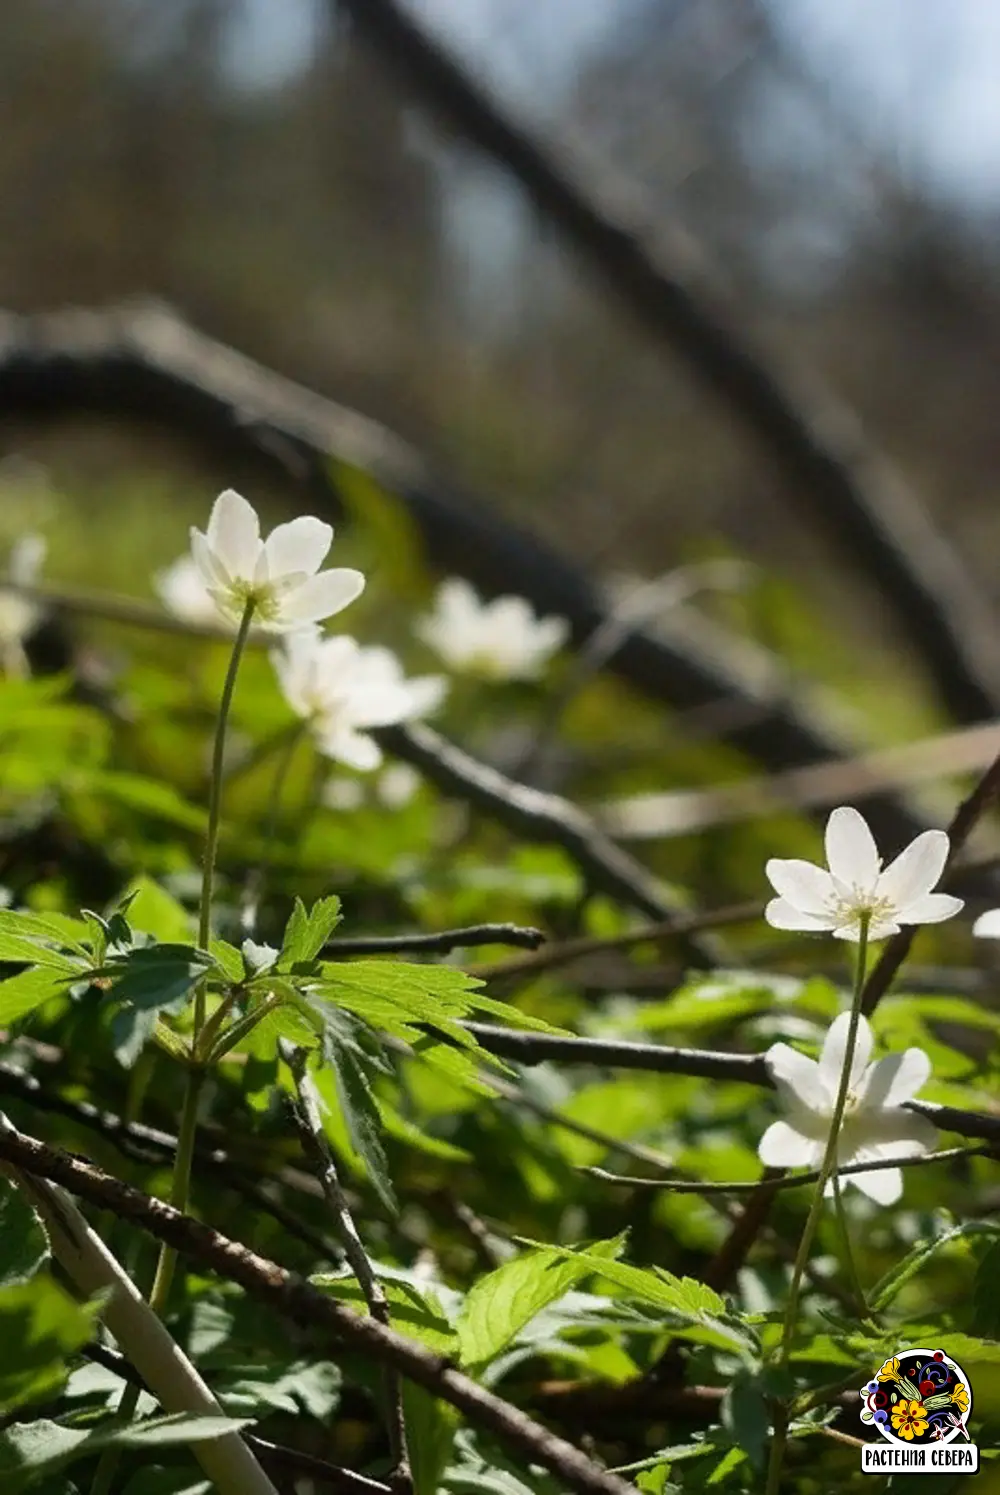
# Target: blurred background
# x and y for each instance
(831, 172)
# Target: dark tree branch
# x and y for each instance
(292, 1297)
(839, 479)
(440, 942)
(963, 823)
(145, 364)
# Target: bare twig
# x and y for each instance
(314, 1139)
(159, 1360)
(292, 1297)
(440, 942)
(850, 490)
(960, 828)
(788, 1181)
(565, 952)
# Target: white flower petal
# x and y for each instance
(895, 1079)
(301, 545)
(781, 915)
(851, 853)
(796, 1076)
(831, 1060)
(932, 908)
(916, 870)
(878, 929)
(321, 596)
(210, 568)
(27, 556)
(234, 534)
(350, 747)
(783, 1147)
(802, 884)
(893, 1132)
(884, 1186)
(987, 926)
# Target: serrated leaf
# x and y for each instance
(361, 1116)
(891, 1284)
(692, 1302)
(40, 941)
(31, 1450)
(157, 977)
(24, 1246)
(414, 1311)
(307, 933)
(500, 1304)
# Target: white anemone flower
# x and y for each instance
(835, 901)
(501, 640)
(341, 690)
(20, 615)
(281, 574)
(987, 926)
(875, 1125)
(181, 588)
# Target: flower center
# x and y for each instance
(848, 907)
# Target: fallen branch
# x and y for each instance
(848, 488)
(143, 363)
(295, 1299)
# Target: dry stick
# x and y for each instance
(310, 1124)
(851, 491)
(161, 1363)
(290, 1295)
(145, 364)
(962, 824)
(794, 1181)
(567, 951)
(148, 1144)
(440, 942)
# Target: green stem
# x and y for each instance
(181, 1182)
(852, 1266)
(215, 803)
(826, 1171)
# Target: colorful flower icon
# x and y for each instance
(909, 1419)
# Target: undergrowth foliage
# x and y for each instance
(181, 1006)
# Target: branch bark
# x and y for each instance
(294, 1298)
(840, 481)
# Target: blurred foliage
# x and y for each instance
(559, 1277)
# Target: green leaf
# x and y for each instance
(414, 1311)
(745, 1415)
(692, 1302)
(22, 993)
(307, 933)
(24, 1246)
(364, 1125)
(40, 1325)
(985, 1298)
(228, 959)
(431, 1426)
(153, 977)
(30, 1450)
(892, 1283)
(40, 941)
(500, 1304)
